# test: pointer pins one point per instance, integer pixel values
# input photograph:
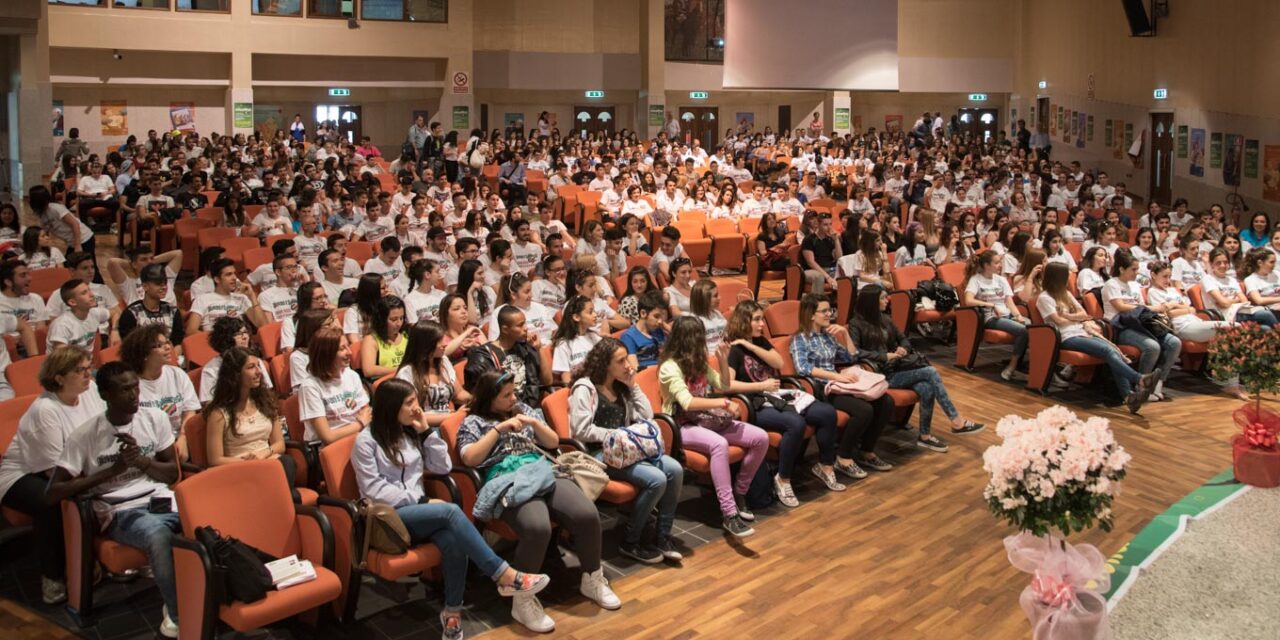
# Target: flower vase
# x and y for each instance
(1064, 600)
(1254, 466)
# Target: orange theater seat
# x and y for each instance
(555, 408)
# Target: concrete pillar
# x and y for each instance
(653, 60)
(34, 101)
(454, 101)
(240, 94)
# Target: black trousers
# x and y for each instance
(27, 496)
(867, 420)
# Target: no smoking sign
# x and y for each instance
(461, 82)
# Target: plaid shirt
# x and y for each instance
(818, 350)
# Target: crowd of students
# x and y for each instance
(482, 278)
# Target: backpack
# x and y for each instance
(384, 531)
(239, 570)
(943, 295)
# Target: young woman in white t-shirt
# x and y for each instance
(1104, 235)
(1123, 293)
(1261, 282)
(635, 203)
(574, 337)
(868, 265)
(1092, 276)
(1222, 292)
(1188, 268)
(1076, 228)
(986, 289)
(726, 205)
(1054, 251)
(38, 250)
(913, 251)
(1079, 332)
(1012, 259)
(704, 304)
(680, 271)
(516, 290)
(1145, 251)
(161, 385)
(1163, 297)
(332, 404)
(952, 248)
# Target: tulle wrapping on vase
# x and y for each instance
(1064, 600)
(1255, 455)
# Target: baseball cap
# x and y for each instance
(154, 274)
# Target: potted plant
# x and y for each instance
(1050, 476)
(1248, 354)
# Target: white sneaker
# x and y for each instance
(168, 628)
(526, 610)
(1012, 375)
(52, 591)
(596, 587)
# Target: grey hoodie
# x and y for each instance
(582, 410)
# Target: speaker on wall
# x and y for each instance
(1139, 23)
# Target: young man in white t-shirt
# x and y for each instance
(669, 248)
(524, 251)
(378, 225)
(387, 263)
(81, 323)
(423, 302)
(280, 301)
(263, 277)
(81, 265)
(16, 299)
(230, 297)
(271, 221)
(612, 262)
(331, 275)
(125, 460)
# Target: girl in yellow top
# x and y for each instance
(382, 350)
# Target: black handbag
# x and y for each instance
(913, 360)
(239, 571)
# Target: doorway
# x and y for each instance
(1042, 116)
(784, 118)
(981, 124)
(1161, 158)
(345, 117)
(594, 119)
(700, 123)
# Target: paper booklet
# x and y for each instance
(290, 571)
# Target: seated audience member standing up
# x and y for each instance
(704, 304)
(332, 401)
(605, 397)
(1122, 302)
(819, 252)
(62, 224)
(880, 344)
(821, 350)
(1079, 332)
(126, 450)
(574, 338)
(754, 368)
(226, 334)
(515, 352)
(645, 338)
(163, 386)
(499, 437)
(82, 322)
(70, 399)
(383, 347)
(517, 290)
(242, 420)
(230, 297)
(989, 291)
(390, 459)
(707, 424)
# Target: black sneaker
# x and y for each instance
(744, 511)
(968, 427)
(1140, 394)
(852, 470)
(874, 462)
(931, 443)
(667, 547)
(734, 526)
(640, 552)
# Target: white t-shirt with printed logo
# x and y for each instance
(994, 290)
(1047, 306)
(715, 326)
(1229, 287)
(42, 434)
(338, 401)
(279, 302)
(309, 250)
(420, 306)
(171, 393)
(526, 256)
(568, 354)
(212, 306)
(68, 329)
(1266, 286)
(209, 377)
(539, 320)
(1128, 292)
(93, 447)
(29, 307)
(102, 297)
(132, 288)
(1187, 273)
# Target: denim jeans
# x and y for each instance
(820, 415)
(1125, 376)
(153, 533)
(655, 485)
(1013, 328)
(1263, 317)
(928, 385)
(444, 525)
(1162, 353)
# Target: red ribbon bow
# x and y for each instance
(1259, 427)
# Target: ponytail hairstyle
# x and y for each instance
(509, 285)
(420, 270)
(568, 328)
(1122, 260)
(1252, 261)
(976, 262)
(1087, 261)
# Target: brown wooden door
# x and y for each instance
(349, 125)
(982, 124)
(700, 123)
(1042, 116)
(595, 119)
(1161, 158)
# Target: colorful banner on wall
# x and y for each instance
(115, 117)
(1182, 140)
(657, 115)
(1215, 150)
(461, 117)
(1067, 123)
(1090, 129)
(745, 120)
(242, 115)
(58, 118)
(1197, 153)
(268, 119)
(1251, 159)
(893, 123)
(182, 116)
(1080, 126)
(1233, 159)
(1271, 173)
(842, 118)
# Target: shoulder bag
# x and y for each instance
(869, 385)
(384, 531)
(639, 442)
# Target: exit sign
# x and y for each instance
(1160, 94)
(977, 97)
(697, 95)
(1044, 84)
(595, 94)
(338, 93)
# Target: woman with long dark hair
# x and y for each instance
(390, 459)
(242, 420)
(429, 370)
(481, 300)
(227, 333)
(38, 251)
(383, 347)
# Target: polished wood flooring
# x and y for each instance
(913, 553)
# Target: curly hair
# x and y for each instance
(687, 345)
(740, 320)
(223, 335)
(137, 346)
(596, 365)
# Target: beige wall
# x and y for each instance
(562, 26)
(560, 103)
(1215, 58)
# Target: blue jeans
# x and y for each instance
(1263, 317)
(1125, 376)
(928, 385)
(1013, 328)
(444, 525)
(656, 485)
(1163, 352)
(820, 415)
(153, 533)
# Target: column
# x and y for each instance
(653, 60)
(840, 118)
(35, 99)
(458, 100)
(239, 103)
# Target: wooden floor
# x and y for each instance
(909, 554)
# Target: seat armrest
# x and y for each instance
(316, 534)
(197, 593)
(574, 444)
(446, 480)
(677, 442)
